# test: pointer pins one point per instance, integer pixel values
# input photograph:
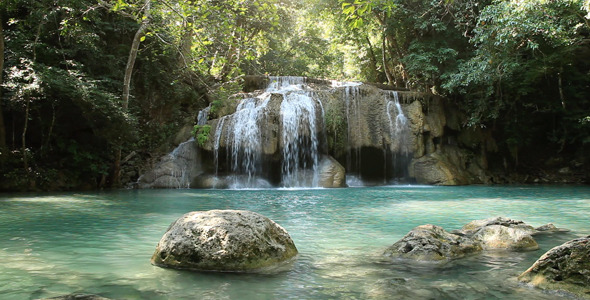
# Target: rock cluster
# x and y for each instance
(565, 267)
(433, 243)
(223, 240)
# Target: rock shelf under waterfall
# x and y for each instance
(293, 130)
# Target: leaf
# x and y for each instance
(142, 38)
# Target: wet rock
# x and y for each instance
(501, 233)
(223, 240)
(476, 225)
(331, 173)
(549, 228)
(431, 243)
(77, 297)
(502, 237)
(565, 267)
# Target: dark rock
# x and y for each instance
(565, 267)
(431, 243)
(223, 240)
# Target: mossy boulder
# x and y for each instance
(223, 240)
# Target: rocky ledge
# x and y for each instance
(433, 243)
(565, 267)
(223, 240)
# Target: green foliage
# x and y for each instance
(201, 133)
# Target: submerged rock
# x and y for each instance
(77, 297)
(431, 243)
(223, 240)
(565, 267)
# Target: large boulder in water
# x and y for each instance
(223, 240)
(431, 243)
(565, 267)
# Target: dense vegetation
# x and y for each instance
(90, 87)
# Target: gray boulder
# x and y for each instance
(565, 267)
(497, 237)
(223, 240)
(501, 233)
(431, 243)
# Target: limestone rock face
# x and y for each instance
(565, 267)
(431, 243)
(332, 174)
(449, 165)
(435, 169)
(175, 170)
(223, 240)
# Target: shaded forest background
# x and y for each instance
(91, 90)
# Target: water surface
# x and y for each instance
(101, 243)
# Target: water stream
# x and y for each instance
(101, 243)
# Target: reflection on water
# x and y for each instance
(101, 243)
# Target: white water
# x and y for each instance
(299, 140)
(353, 120)
(398, 123)
(245, 138)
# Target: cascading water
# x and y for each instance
(299, 140)
(352, 100)
(399, 134)
(244, 139)
(294, 126)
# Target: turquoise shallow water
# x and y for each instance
(101, 243)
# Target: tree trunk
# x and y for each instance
(24, 136)
(2, 126)
(560, 83)
(133, 54)
(127, 83)
(385, 68)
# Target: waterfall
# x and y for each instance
(244, 139)
(299, 140)
(352, 99)
(279, 136)
(399, 133)
(285, 83)
(203, 116)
